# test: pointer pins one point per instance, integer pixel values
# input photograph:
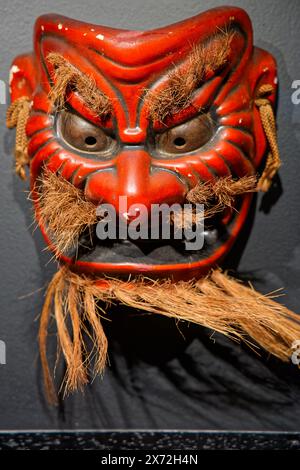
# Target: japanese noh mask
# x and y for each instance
(179, 114)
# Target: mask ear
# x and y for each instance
(22, 77)
(22, 83)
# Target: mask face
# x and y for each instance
(146, 115)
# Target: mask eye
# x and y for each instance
(186, 137)
(83, 135)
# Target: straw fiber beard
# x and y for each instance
(218, 302)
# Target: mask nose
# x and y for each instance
(136, 178)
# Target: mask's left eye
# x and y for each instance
(187, 137)
(83, 135)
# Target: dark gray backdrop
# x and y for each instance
(158, 381)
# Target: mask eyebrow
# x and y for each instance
(66, 75)
(203, 60)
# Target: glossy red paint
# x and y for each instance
(124, 64)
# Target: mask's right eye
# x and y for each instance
(83, 135)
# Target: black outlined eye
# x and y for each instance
(83, 135)
(186, 137)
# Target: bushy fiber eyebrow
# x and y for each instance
(204, 58)
(66, 75)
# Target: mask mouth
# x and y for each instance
(149, 251)
(69, 225)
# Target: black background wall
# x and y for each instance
(156, 379)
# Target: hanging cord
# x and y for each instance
(17, 116)
(269, 125)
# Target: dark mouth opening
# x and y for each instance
(148, 251)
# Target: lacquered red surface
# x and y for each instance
(124, 64)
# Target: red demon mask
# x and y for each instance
(152, 115)
(181, 114)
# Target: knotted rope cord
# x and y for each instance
(269, 125)
(17, 116)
